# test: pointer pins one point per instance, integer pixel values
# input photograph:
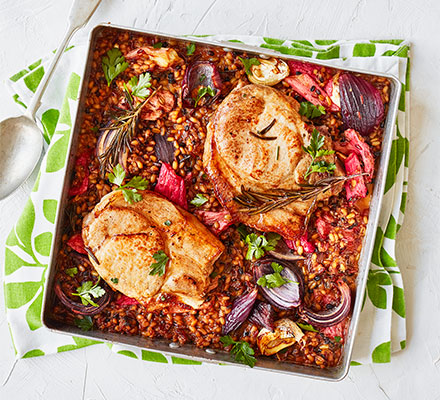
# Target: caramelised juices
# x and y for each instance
(219, 199)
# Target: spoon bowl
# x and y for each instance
(21, 143)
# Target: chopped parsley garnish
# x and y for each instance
(113, 64)
(203, 91)
(190, 49)
(337, 339)
(115, 280)
(248, 62)
(158, 268)
(306, 327)
(88, 290)
(258, 244)
(275, 279)
(311, 111)
(71, 271)
(130, 189)
(316, 151)
(157, 45)
(242, 351)
(167, 222)
(85, 323)
(199, 200)
(139, 85)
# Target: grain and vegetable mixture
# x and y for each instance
(219, 199)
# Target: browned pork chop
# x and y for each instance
(234, 157)
(124, 237)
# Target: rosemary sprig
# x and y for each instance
(254, 202)
(260, 134)
(124, 129)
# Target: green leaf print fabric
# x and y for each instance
(381, 330)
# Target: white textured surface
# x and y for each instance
(30, 28)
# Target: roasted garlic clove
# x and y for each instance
(268, 72)
(285, 334)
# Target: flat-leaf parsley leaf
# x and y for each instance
(258, 244)
(311, 111)
(158, 268)
(307, 327)
(190, 49)
(204, 90)
(85, 323)
(242, 351)
(88, 290)
(113, 64)
(316, 151)
(71, 271)
(275, 279)
(139, 85)
(199, 200)
(248, 62)
(130, 189)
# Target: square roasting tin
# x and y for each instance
(191, 351)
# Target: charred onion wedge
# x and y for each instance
(331, 317)
(79, 308)
(240, 311)
(199, 75)
(361, 104)
(287, 296)
(268, 72)
(263, 316)
(283, 252)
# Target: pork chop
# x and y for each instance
(123, 238)
(237, 155)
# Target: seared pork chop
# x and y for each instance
(240, 152)
(124, 237)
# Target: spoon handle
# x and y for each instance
(80, 13)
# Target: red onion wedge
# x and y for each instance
(283, 251)
(240, 311)
(361, 104)
(198, 75)
(106, 140)
(172, 186)
(287, 296)
(164, 149)
(79, 308)
(263, 315)
(331, 317)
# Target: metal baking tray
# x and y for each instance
(191, 351)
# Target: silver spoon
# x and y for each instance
(21, 140)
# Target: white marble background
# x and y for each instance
(30, 28)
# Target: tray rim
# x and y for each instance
(330, 374)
